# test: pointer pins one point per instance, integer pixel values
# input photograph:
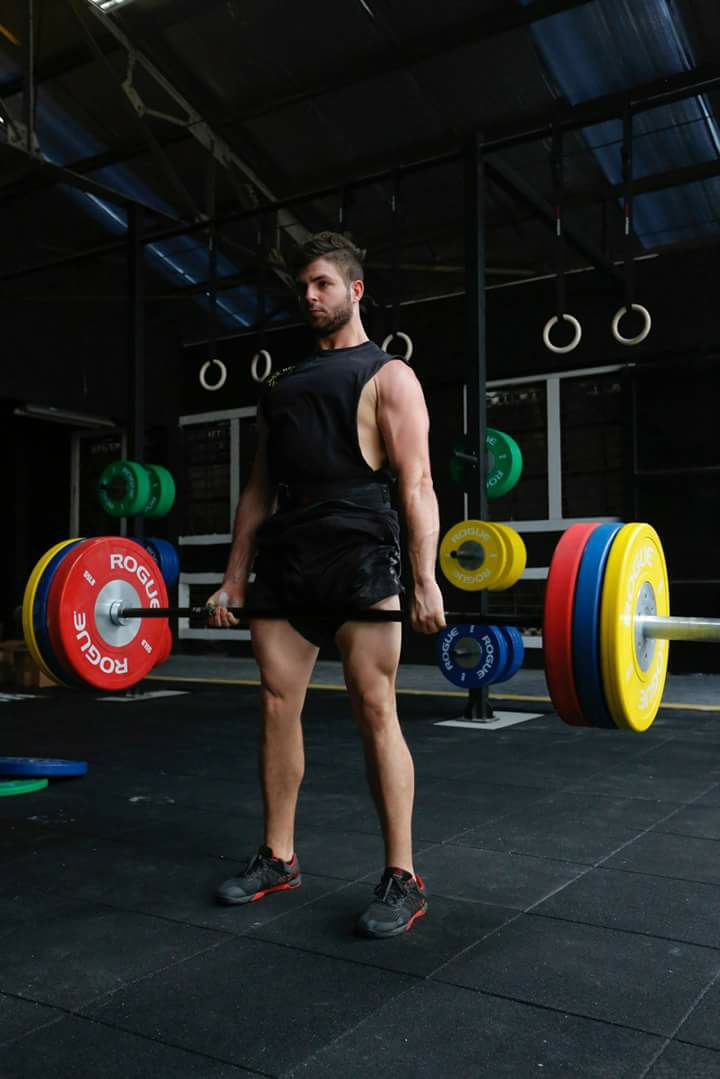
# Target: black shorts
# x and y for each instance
(327, 556)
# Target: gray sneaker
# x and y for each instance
(263, 874)
(399, 901)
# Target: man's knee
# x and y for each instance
(375, 710)
(280, 700)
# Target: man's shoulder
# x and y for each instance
(396, 372)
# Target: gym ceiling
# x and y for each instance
(215, 108)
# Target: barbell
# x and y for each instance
(96, 611)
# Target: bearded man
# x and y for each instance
(316, 519)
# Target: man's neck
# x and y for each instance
(347, 337)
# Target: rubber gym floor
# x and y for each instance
(574, 882)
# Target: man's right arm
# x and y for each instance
(256, 504)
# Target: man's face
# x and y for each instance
(326, 298)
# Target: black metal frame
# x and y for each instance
(136, 346)
(478, 705)
(28, 49)
(599, 110)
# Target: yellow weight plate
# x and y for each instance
(28, 604)
(517, 559)
(500, 585)
(474, 555)
(633, 667)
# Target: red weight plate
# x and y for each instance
(96, 573)
(558, 623)
(165, 646)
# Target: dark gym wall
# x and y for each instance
(72, 354)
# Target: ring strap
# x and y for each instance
(558, 176)
(626, 154)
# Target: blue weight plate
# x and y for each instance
(509, 641)
(488, 658)
(40, 617)
(148, 545)
(516, 653)
(586, 626)
(169, 562)
(41, 766)
(166, 557)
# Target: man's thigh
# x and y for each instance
(285, 658)
(370, 653)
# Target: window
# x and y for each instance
(521, 412)
(207, 463)
(591, 411)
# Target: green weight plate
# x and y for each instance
(504, 466)
(503, 463)
(162, 491)
(21, 786)
(124, 489)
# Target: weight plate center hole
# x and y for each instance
(470, 555)
(467, 652)
(644, 646)
(122, 592)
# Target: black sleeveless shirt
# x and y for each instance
(311, 413)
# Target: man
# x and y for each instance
(317, 511)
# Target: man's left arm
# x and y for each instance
(404, 426)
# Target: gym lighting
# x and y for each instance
(58, 415)
(108, 5)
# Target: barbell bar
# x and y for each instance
(655, 627)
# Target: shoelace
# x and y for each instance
(398, 887)
(257, 864)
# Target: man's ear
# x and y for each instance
(358, 290)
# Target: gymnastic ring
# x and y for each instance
(643, 333)
(403, 337)
(221, 380)
(562, 348)
(263, 354)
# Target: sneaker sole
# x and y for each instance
(226, 901)
(394, 932)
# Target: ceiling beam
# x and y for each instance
(500, 20)
(645, 185)
(68, 60)
(515, 131)
(407, 53)
(37, 171)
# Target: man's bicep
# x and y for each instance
(403, 421)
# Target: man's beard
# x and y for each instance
(334, 320)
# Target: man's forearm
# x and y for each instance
(248, 518)
(422, 519)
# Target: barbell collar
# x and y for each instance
(471, 458)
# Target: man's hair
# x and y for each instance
(335, 248)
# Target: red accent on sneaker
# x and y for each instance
(418, 914)
(276, 888)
